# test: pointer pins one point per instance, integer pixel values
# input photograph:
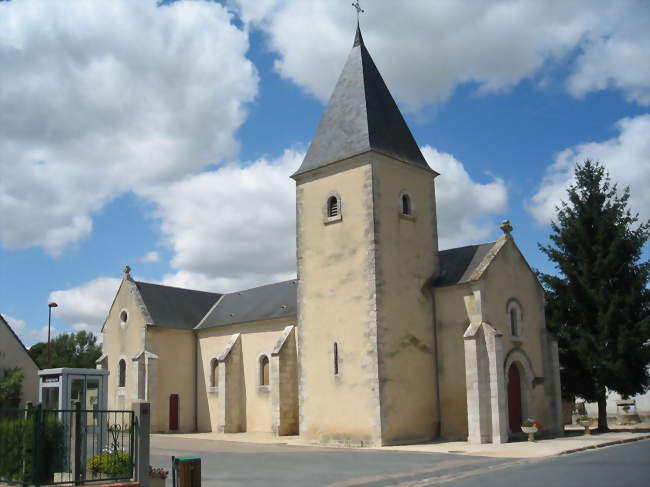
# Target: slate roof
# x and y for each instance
(361, 116)
(277, 300)
(174, 307)
(457, 265)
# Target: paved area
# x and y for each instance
(269, 463)
(230, 464)
(573, 440)
(625, 465)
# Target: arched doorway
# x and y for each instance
(514, 398)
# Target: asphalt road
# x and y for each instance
(614, 466)
(230, 464)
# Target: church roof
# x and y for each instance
(277, 300)
(361, 116)
(458, 265)
(174, 307)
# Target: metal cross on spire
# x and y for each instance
(358, 9)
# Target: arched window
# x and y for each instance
(406, 204)
(333, 207)
(264, 370)
(336, 358)
(214, 373)
(514, 327)
(122, 373)
(514, 317)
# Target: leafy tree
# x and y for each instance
(599, 303)
(78, 350)
(11, 384)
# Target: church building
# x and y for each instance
(381, 339)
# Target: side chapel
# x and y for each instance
(382, 339)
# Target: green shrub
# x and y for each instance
(112, 464)
(11, 382)
(17, 445)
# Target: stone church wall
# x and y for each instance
(123, 340)
(254, 401)
(452, 319)
(337, 305)
(406, 259)
(509, 277)
(175, 371)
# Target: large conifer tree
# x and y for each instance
(599, 303)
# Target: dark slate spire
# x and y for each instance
(358, 38)
(361, 116)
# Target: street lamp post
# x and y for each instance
(49, 324)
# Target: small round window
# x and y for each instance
(124, 316)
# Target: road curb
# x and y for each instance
(602, 445)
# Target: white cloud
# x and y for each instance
(204, 282)
(30, 335)
(17, 325)
(100, 98)
(624, 156)
(233, 227)
(463, 205)
(619, 60)
(424, 49)
(152, 256)
(85, 307)
(39, 335)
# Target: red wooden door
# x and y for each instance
(514, 399)
(173, 412)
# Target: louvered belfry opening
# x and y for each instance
(332, 206)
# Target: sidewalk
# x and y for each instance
(571, 442)
(524, 449)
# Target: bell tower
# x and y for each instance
(367, 251)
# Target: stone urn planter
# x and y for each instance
(530, 431)
(530, 427)
(586, 424)
(626, 412)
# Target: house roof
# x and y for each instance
(458, 265)
(277, 300)
(361, 116)
(173, 307)
(2, 320)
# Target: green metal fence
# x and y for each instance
(50, 447)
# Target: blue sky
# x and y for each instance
(163, 137)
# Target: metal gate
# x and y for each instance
(55, 446)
